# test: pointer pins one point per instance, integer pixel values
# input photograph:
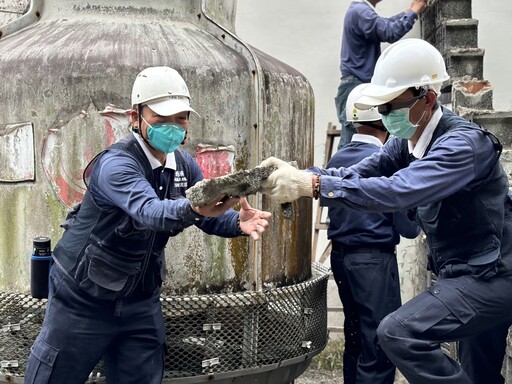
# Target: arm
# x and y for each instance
(385, 29)
(381, 163)
(405, 226)
(417, 6)
(287, 184)
(249, 221)
(118, 182)
(454, 161)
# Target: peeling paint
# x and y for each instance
(215, 161)
(70, 145)
(17, 155)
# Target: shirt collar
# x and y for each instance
(369, 139)
(418, 151)
(365, 1)
(170, 162)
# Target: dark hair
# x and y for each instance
(417, 91)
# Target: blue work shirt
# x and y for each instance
(363, 32)
(356, 228)
(382, 182)
(118, 182)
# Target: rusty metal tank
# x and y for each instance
(67, 68)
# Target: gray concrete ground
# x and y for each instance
(314, 376)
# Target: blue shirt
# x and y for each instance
(118, 182)
(356, 228)
(382, 183)
(363, 32)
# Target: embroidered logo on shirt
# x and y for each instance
(180, 181)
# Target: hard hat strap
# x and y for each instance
(139, 125)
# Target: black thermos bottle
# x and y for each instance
(40, 262)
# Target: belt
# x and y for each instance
(339, 247)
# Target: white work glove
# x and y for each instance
(286, 183)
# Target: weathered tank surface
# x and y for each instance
(67, 77)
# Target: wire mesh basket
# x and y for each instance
(208, 336)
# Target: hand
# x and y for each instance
(217, 207)
(252, 221)
(286, 183)
(418, 6)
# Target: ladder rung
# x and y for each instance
(331, 133)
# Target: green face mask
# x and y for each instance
(165, 137)
(398, 124)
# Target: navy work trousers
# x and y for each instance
(78, 330)
(347, 84)
(474, 311)
(369, 289)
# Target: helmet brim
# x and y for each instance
(171, 106)
(374, 95)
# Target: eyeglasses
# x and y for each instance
(386, 109)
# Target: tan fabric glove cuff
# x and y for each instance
(304, 184)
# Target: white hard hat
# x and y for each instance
(356, 115)
(163, 90)
(404, 64)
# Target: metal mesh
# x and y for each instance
(206, 335)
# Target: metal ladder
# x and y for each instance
(321, 224)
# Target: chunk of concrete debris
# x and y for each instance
(240, 184)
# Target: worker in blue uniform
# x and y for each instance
(449, 170)
(364, 251)
(104, 293)
(363, 33)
